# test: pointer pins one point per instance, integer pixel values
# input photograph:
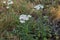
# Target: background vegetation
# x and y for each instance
(38, 27)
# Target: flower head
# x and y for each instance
(24, 18)
(39, 6)
(10, 2)
(4, 2)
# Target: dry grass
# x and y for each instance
(55, 13)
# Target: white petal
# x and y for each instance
(7, 7)
(26, 18)
(37, 7)
(22, 15)
(41, 6)
(29, 16)
(11, 2)
(22, 21)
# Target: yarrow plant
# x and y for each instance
(24, 18)
(36, 26)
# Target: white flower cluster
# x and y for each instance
(39, 6)
(4, 2)
(24, 18)
(9, 2)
